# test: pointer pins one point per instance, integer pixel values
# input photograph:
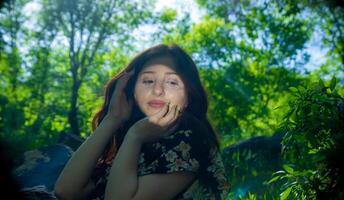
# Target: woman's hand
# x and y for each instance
(154, 127)
(119, 107)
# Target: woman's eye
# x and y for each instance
(172, 82)
(147, 81)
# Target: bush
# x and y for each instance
(313, 145)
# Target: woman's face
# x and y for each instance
(158, 84)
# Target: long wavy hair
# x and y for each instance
(194, 116)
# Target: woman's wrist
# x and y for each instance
(134, 137)
(111, 122)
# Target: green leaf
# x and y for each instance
(288, 169)
(273, 179)
(293, 116)
(302, 89)
(284, 195)
(279, 172)
(293, 89)
(312, 151)
(333, 83)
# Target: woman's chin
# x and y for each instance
(153, 111)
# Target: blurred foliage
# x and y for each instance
(168, 15)
(313, 144)
(55, 63)
(250, 69)
(56, 57)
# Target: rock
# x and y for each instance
(41, 167)
(37, 193)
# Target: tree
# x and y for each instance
(245, 51)
(85, 26)
(12, 92)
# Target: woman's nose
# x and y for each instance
(158, 88)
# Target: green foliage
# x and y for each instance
(314, 117)
(244, 85)
(250, 56)
(168, 15)
(60, 55)
(315, 133)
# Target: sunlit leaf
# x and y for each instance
(285, 194)
(274, 179)
(288, 169)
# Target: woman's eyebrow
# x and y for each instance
(152, 72)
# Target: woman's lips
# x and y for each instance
(156, 104)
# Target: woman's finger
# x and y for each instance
(171, 124)
(123, 80)
(120, 85)
(169, 118)
(177, 113)
(158, 116)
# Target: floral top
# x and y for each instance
(180, 151)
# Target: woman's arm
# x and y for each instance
(74, 181)
(76, 174)
(122, 180)
(124, 184)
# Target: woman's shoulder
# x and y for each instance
(179, 151)
(213, 182)
(184, 150)
(187, 137)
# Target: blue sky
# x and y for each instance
(313, 47)
(142, 35)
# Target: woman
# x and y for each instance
(152, 138)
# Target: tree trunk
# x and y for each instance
(73, 111)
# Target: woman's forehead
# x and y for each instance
(165, 61)
(158, 68)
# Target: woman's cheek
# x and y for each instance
(178, 100)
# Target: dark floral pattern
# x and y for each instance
(180, 151)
